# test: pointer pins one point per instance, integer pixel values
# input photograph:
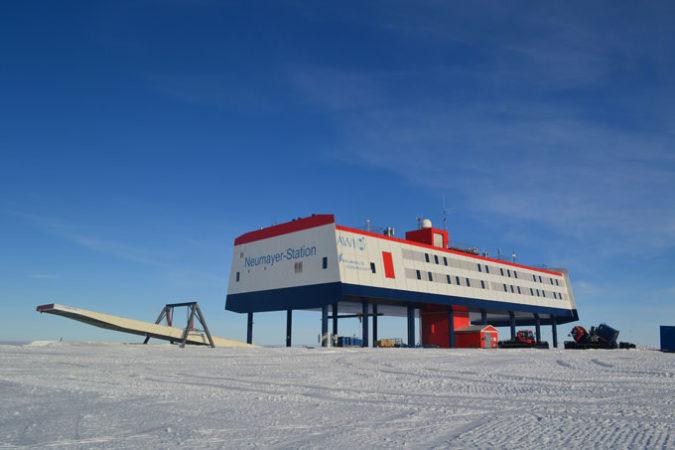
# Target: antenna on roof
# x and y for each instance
(513, 256)
(445, 215)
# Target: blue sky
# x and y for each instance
(139, 138)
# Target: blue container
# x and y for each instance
(346, 341)
(667, 338)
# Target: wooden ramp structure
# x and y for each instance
(139, 327)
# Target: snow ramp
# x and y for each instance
(138, 327)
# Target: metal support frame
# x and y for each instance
(364, 324)
(249, 328)
(193, 311)
(483, 317)
(289, 326)
(451, 328)
(374, 325)
(537, 328)
(324, 326)
(335, 319)
(554, 331)
(411, 326)
(512, 323)
(354, 316)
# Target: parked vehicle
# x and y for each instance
(603, 336)
(523, 339)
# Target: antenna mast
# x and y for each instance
(445, 215)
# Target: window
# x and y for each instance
(468, 282)
(436, 259)
(419, 275)
(430, 277)
(445, 261)
(537, 292)
(458, 282)
(555, 295)
(534, 277)
(543, 292)
(501, 271)
(372, 267)
(505, 289)
(531, 291)
(324, 262)
(482, 284)
(480, 268)
(487, 268)
(518, 289)
(426, 257)
(449, 278)
(509, 272)
(540, 280)
(512, 289)
(515, 274)
(556, 282)
(237, 277)
(551, 280)
(297, 267)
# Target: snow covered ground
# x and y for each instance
(159, 396)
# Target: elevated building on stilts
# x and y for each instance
(314, 264)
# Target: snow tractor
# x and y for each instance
(603, 337)
(523, 339)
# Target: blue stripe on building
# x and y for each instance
(318, 295)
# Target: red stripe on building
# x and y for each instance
(285, 228)
(446, 250)
(388, 265)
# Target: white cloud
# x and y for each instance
(73, 233)
(529, 129)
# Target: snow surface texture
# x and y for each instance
(159, 396)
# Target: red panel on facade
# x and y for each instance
(289, 227)
(388, 265)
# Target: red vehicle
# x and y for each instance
(523, 339)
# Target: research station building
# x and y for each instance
(312, 263)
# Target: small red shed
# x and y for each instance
(477, 336)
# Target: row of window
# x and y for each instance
(478, 283)
(532, 291)
(466, 265)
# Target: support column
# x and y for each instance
(289, 326)
(324, 325)
(411, 326)
(335, 319)
(483, 317)
(537, 328)
(364, 324)
(451, 329)
(249, 329)
(512, 320)
(374, 325)
(554, 331)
